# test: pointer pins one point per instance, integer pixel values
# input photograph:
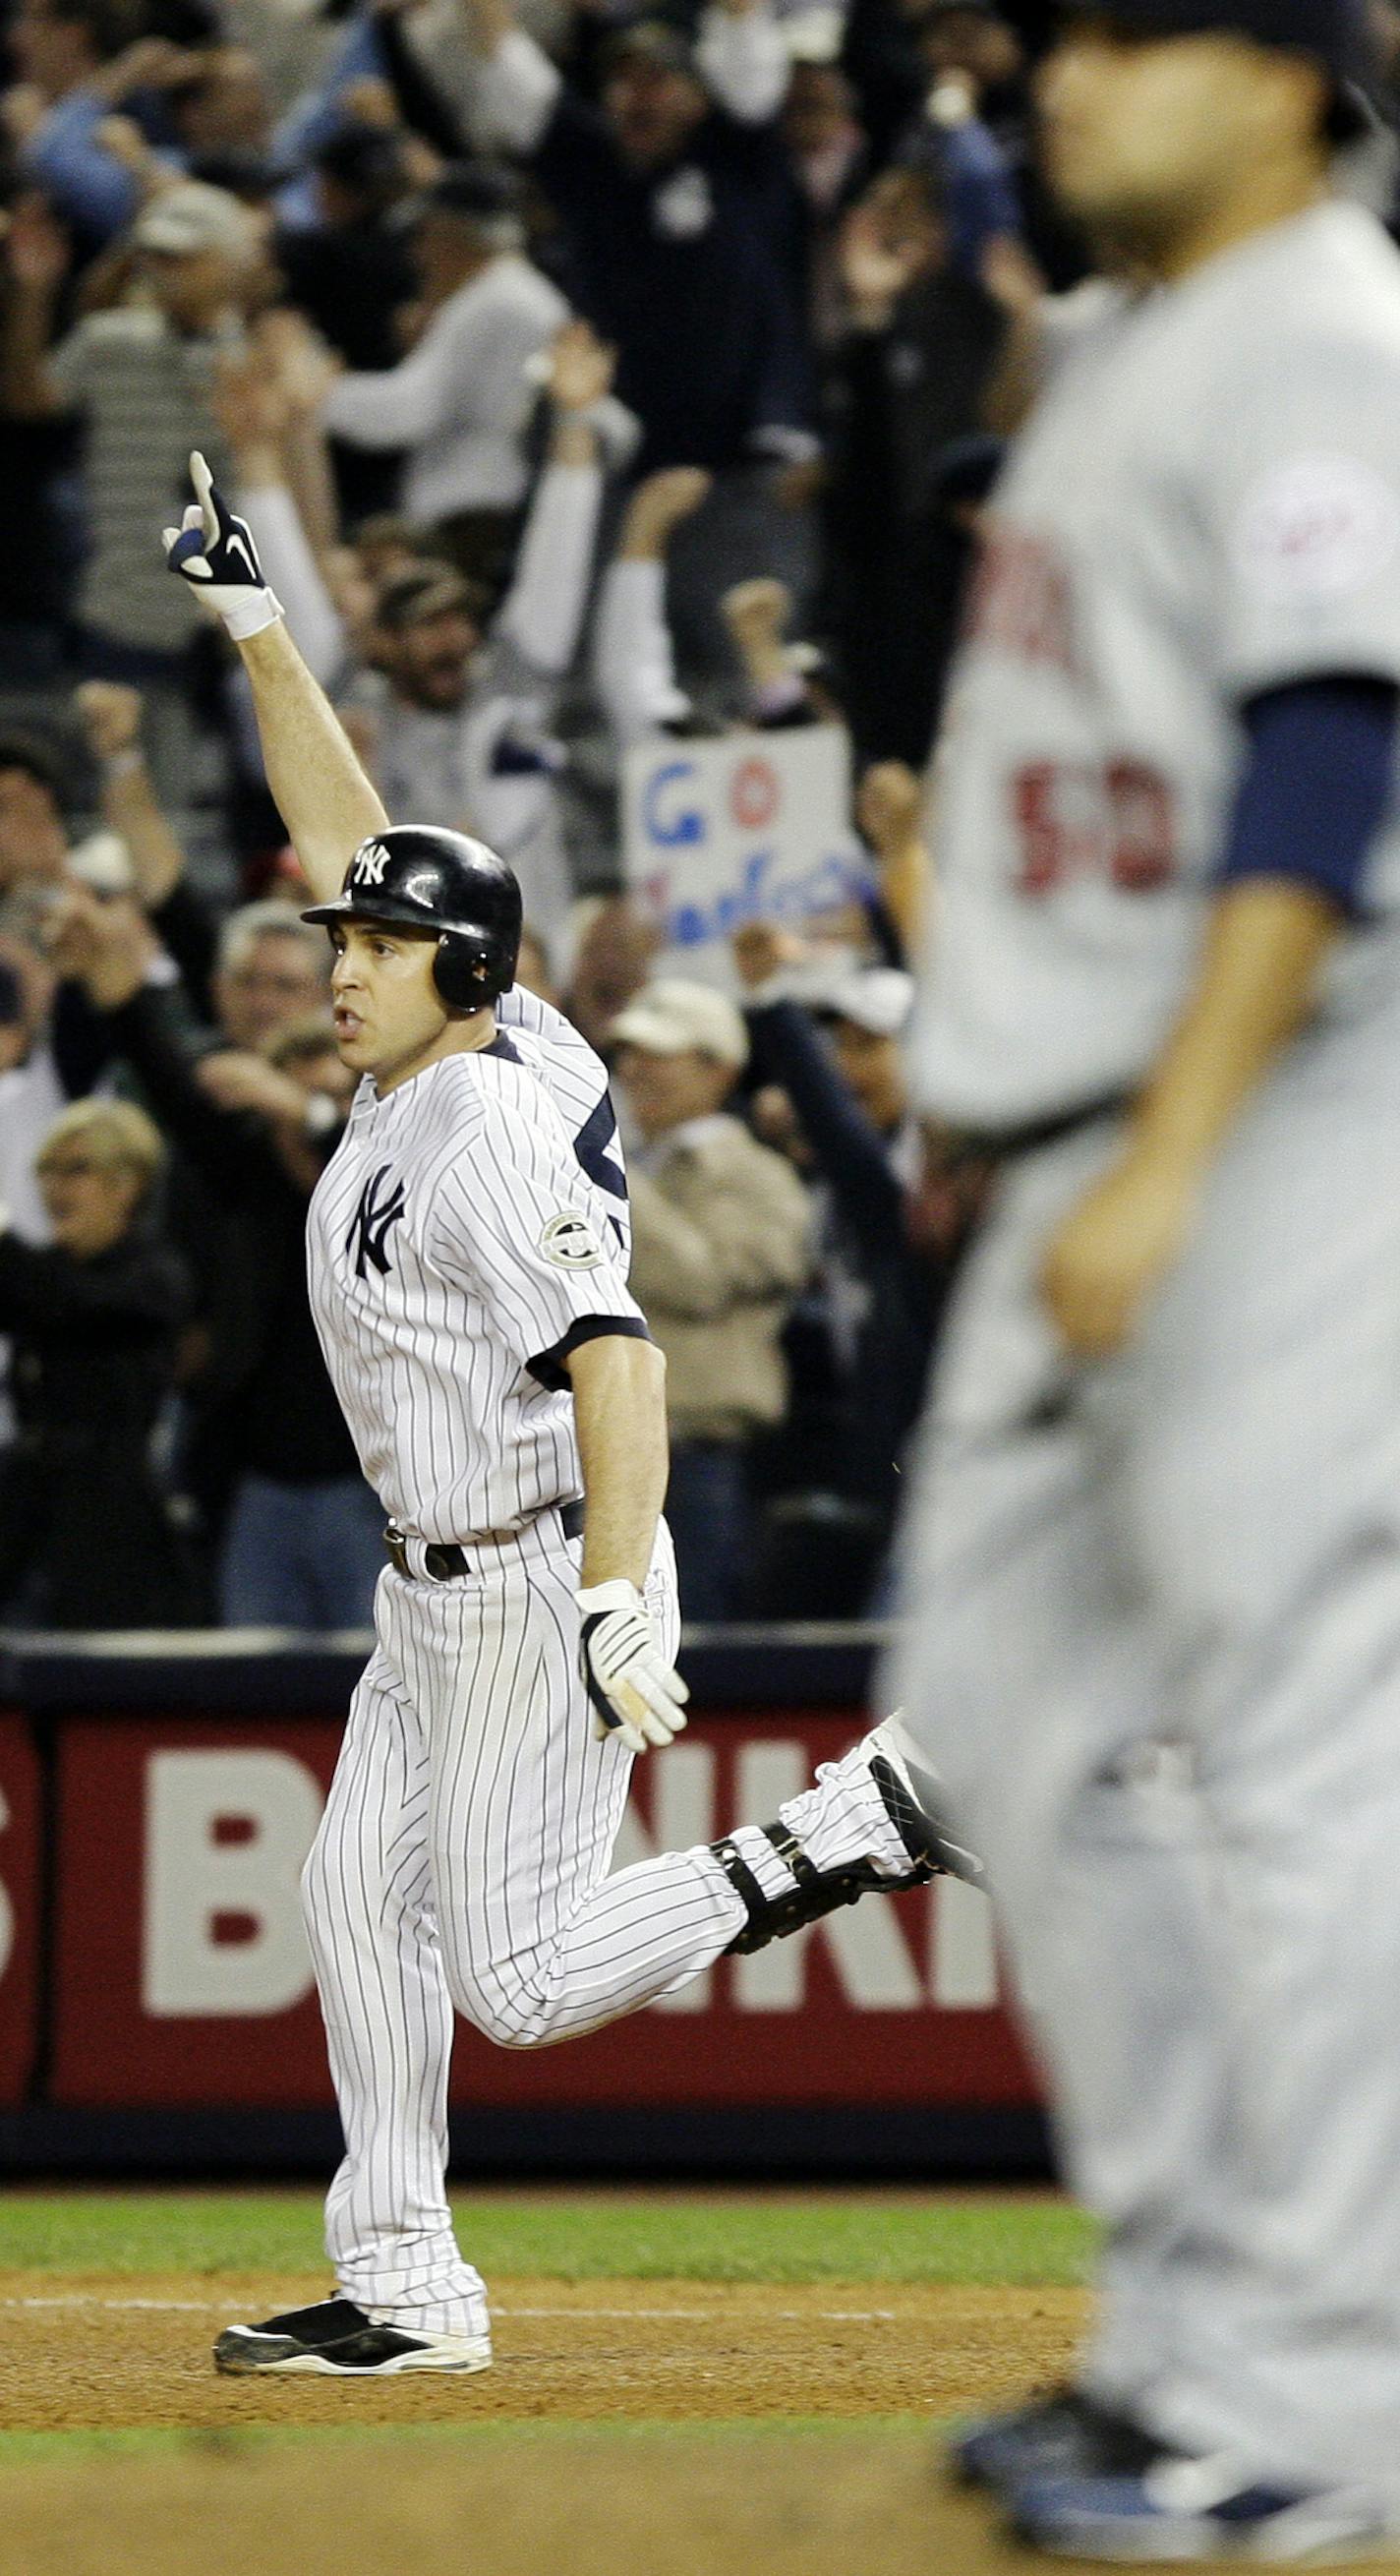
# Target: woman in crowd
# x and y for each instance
(86, 1538)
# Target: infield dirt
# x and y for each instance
(639, 2368)
(101, 2355)
(628, 2429)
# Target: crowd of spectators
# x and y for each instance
(588, 372)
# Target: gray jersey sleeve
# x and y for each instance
(518, 1220)
(1304, 521)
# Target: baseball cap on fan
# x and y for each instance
(671, 1017)
(876, 998)
(1333, 33)
(191, 217)
(428, 589)
(652, 40)
(485, 196)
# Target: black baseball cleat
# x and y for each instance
(1064, 2434)
(912, 1796)
(337, 2340)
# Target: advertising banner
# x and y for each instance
(183, 1977)
(19, 1906)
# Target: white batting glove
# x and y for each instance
(214, 552)
(634, 1692)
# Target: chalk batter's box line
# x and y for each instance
(687, 2316)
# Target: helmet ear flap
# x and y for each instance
(463, 974)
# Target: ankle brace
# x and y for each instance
(814, 1891)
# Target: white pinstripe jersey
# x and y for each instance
(471, 1226)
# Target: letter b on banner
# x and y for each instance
(226, 1835)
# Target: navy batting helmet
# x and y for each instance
(417, 876)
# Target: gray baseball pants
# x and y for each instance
(1153, 1643)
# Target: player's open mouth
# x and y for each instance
(348, 1024)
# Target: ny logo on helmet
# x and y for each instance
(369, 1227)
(369, 863)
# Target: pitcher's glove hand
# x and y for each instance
(634, 1692)
(214, 552)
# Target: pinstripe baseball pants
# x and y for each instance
(462, 1860)
(1199, 1542)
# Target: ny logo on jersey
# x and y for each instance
(373, 1217)
(369, 863)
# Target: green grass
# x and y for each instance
(578, 2236)
(22, 2450)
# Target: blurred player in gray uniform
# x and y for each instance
(1152, 1563)
(468, 1246)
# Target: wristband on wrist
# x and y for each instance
(616, 1594)
(261, 608)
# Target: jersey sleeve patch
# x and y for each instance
(1318, 527)
(569, 1242)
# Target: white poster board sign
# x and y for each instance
(750, 827)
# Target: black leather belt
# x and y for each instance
(993, 1145)
(443, 1564)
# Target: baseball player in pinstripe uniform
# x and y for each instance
(1160, 1491)
(468, 1256)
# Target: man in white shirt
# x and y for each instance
(460, 399)
(460, 722)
